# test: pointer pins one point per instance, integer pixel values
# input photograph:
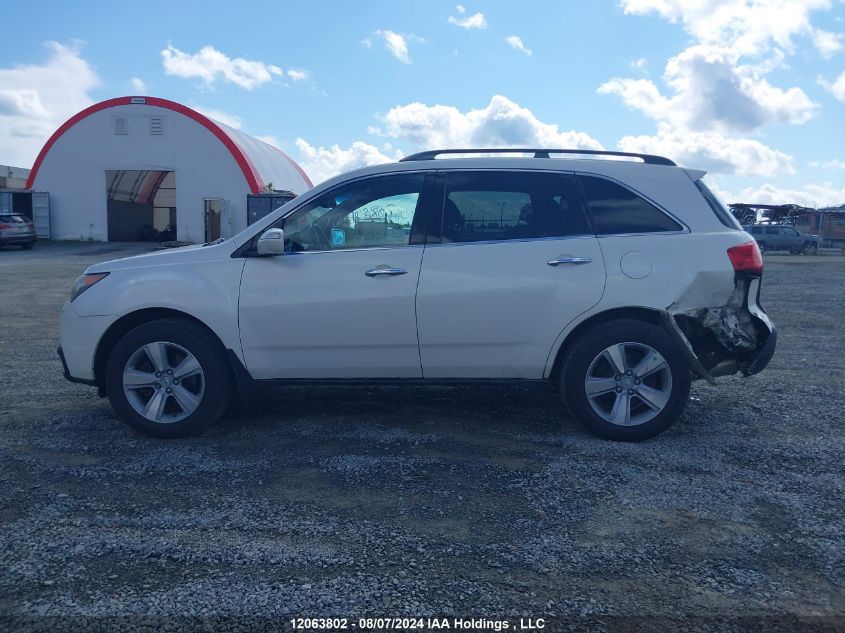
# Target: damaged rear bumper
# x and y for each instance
(735, 337)
(765, 353)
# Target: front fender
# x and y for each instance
(207, 292)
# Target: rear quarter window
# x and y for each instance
(615, 209)
(724, 216)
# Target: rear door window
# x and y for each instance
(499, 206)
(615, 209)
(12, 219)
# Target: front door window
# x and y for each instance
(372, 213)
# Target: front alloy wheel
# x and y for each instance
(168, 378)
(163, 382)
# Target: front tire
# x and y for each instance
(626, 380)
(168, 378)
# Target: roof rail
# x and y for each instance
(649, 159)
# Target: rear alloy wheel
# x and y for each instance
(166, 378)
(810, 248)
(628, 392)
(626, 380)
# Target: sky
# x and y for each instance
(753, 91)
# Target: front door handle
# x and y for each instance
(569, 260)
(375, 272)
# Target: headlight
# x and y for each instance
(84, 282)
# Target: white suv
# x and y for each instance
(618, 276)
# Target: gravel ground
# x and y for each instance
(440, 501)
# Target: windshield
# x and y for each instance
(13, 219)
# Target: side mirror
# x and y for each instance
(271, 242)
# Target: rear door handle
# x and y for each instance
(569, 260)
(375, 272)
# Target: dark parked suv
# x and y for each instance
(778, 237)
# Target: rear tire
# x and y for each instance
(168, 378)
(810, 249)
(639, 380)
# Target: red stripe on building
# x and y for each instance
(251, 174)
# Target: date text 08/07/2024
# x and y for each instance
(420, 624)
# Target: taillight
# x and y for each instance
(5, 226)
(746, 258)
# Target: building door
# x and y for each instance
(141, 205)
(213, 208)
(6, 202)
(41, 213)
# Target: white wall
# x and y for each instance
(73, 171)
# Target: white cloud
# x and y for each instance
(715, 95)
(297, 75)
(829, 164)
(837, 88)
(270, 139)
(226, 118)
(138, 85)
(367, 42)
(460, 8)
(321, 163)
(502, 123)
(810, 195)
(711, 151)
(713, 91)
(35, 99)
(748, 26)
(396, 43)
(474, 21)
(516, 42)
(211, 65)
(22, 102)
(639, 64)
(827, 43)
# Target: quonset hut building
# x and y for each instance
(135, 168)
